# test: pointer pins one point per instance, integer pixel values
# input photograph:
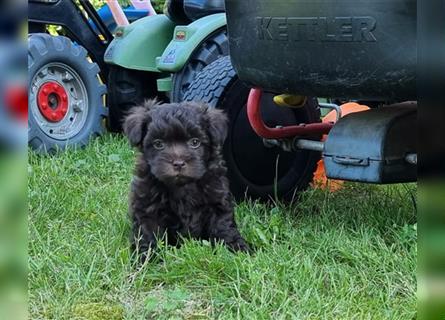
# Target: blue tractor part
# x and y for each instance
(131, 12)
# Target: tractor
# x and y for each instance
(282, 53)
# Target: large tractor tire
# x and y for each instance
(128, 88)
(65, 94)
(213, 48)
(255, 171)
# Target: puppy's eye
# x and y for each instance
(194, 143)
(158, 144)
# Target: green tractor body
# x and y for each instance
(136, 46)
(155, 44)
(186, 39)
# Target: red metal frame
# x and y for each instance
(261, 129)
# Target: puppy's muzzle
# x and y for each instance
(178, 165)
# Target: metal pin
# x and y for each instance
(411, 158)
(43, 73)
(67, 77)
(77, 107)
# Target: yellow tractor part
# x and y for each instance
(290, 100)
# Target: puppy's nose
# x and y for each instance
(178, 164)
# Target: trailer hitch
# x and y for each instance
(261, 129)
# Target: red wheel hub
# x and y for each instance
(52, 101)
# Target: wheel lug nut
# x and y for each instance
(55, 87)
(67, 77)
(64, 97)
(45, 91)
(77, 107)
(54, 116)
(44, 105)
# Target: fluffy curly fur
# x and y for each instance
(179, 187)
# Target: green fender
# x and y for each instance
(138, 45)
(186, 39)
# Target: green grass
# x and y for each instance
(344, 255)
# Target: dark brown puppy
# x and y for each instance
(179, 187)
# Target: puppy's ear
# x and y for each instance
(136, 122)
(217, 125)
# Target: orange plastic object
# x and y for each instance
(320, 179)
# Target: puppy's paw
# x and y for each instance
(241, 246)
(143, 253)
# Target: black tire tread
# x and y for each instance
(211, 49)
(129, 88)
(210, 84)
